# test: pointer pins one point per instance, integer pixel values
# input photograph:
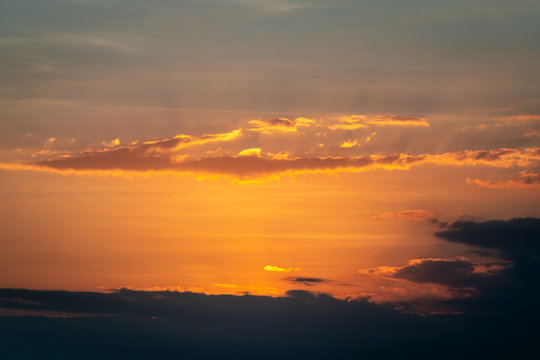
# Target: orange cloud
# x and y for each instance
(526, 180)
(182, 141)
(524, 117)
(268, 126)
(411, 215)
(250, 163)
(416, 215)
(384, 215)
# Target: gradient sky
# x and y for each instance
(261, 146)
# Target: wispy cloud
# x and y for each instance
(96, 39)
(353, 122)
(525, 180)
(269, 126)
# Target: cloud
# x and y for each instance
(273, 5)
(182, 141)
(489, 297)
(458, 273)
(384, 215)
(247, 289)
(279, 269)
(166, 324)
(526, 180)
(282, 155)
(398, 120)
(269, 126)
(162, 156)
(307, 281)
(112, 143)
(250, 152)
(523, 117)
(347, 144)
(411, 215)
(353, 122)
(416, 215)
(515, 238)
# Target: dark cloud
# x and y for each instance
(517, 240)
(452, 273)
(514, 238)
(307, 281)
(279, 122)
(141, 325)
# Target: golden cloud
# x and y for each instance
(269, 126)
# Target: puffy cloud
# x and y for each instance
(112, 143)
(347, 144)
(250, 152)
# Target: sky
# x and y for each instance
(362, 157)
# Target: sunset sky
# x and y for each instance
(344, 147)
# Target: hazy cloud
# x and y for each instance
(525, 180)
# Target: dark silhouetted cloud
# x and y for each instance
(457, 273)
(307, 281)
(514, 238)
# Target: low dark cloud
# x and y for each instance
(138, 325)
(452, 273)
(505, 280)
